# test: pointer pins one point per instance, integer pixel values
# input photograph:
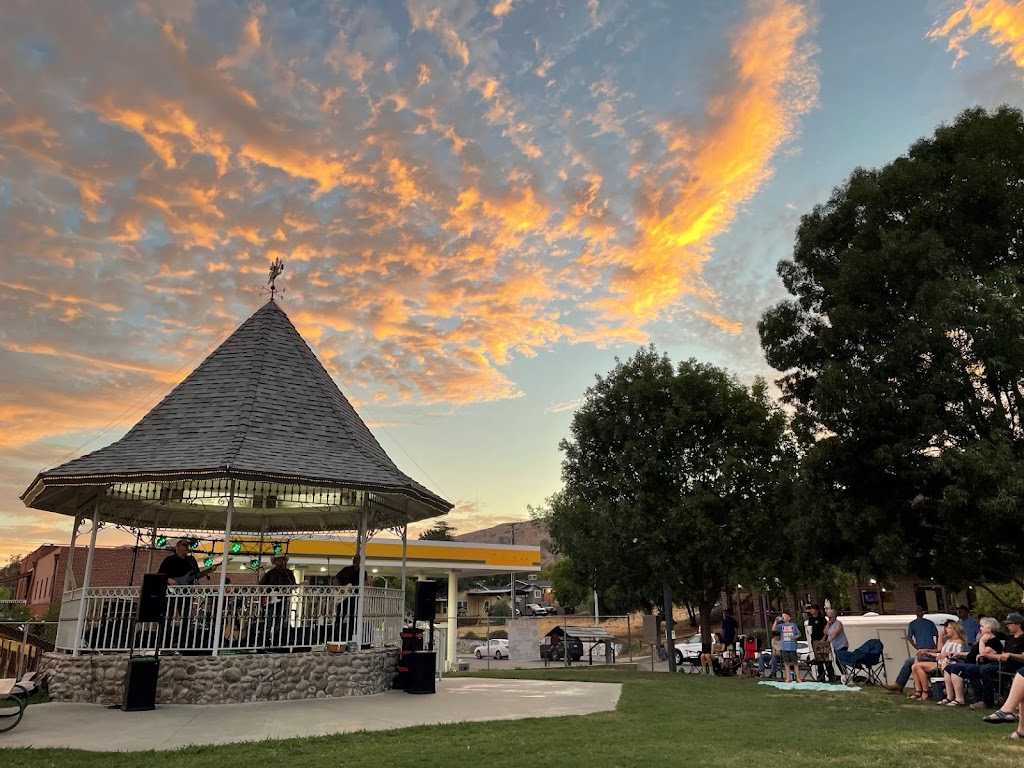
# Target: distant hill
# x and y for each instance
(526, 532)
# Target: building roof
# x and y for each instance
(583, 633)
(262, 411)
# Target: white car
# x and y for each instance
(538, 609)
(496, 647)
(690, 649)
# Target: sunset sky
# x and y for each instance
(480, 203)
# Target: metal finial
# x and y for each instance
(276, 268)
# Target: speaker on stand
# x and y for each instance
(420, 671)
(143, 671)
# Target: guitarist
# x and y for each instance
(181, 569)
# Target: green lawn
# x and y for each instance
(661, 720)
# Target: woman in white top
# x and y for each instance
(955, 644)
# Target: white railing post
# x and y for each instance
(77, 649)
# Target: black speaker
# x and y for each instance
(140, 684)
(421, 672)
(426, 597)
(153, 597)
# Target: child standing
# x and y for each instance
(789, 633)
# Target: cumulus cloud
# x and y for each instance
(442, 209)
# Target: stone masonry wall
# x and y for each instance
(99, 679)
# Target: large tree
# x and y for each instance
(668, 477)
(902, 348)
(440, 531)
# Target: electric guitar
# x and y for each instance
(192, 577)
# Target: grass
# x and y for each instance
(661, 720)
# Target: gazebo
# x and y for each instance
(256, 444)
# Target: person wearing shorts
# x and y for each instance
(789, 633)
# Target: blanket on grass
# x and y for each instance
(808, 686)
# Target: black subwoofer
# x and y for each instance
(421, 674)
(426, 597)
(153, 597)
(140, 684)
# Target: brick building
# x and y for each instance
(42, 572)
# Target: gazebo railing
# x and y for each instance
(254, 618)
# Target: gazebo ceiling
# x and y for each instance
(262, 414)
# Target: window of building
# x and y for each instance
(537, 594)
(532, 577)
(932, 598)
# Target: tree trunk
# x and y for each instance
(691, 614)
(705, 606)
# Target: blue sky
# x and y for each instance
(480, 203)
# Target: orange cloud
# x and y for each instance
(693, 193)
(1001, 22)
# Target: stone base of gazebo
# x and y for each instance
(227, 679)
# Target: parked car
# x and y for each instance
(497, 647)
(690, 649)
(552, 649)
(539, 609)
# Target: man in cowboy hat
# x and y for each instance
(280, 575)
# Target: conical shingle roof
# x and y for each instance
(260, 409)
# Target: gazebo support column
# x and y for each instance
(77, 647)
(361, 549)
(69, 568)
(405, 565)
(453, 622)
(218, 626)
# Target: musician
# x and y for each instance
(280, 575)
(345, 618)
(180, 567)
(277, 606)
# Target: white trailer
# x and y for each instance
(891, 629)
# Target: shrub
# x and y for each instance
(500, 633)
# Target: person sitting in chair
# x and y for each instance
(708, 652)
(985, 650)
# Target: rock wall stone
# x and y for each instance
(229, 679)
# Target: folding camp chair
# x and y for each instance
(865, 664)
(750, 657)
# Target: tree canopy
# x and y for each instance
(902, 349)
(440, 531)
(668, 476)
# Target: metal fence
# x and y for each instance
(253, 618)
(520, 639)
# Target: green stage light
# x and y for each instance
(236, 547)
(207, 561)
(193, 543)
(161, 541)
(254, 563)
(277, 548)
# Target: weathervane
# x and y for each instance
(276, 268)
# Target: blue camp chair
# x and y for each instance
(866, 660)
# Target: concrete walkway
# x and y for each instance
(95, 728)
